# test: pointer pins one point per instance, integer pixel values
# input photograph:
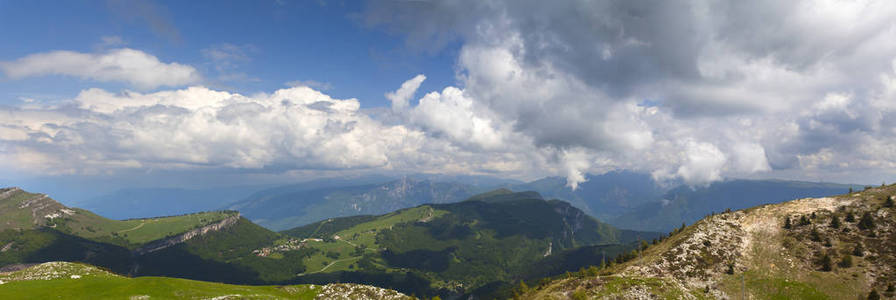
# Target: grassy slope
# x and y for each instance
(771, 262)
(77, 281)
(361, 235)
(497, 236)
(83, 223)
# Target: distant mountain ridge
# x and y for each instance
(285, 208)
(622, 198)
(685, 204)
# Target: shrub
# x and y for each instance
(888, 202)
(826, 263)
(787, 224)
(850, 217)
(814, 235)
(858, 250)
(846, 262)
(804, 221)
(730, 270)
(593, 271)
(835, 222)
(579, 295)
(873, 295)
(867, 222)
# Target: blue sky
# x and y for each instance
(181, 93)
(283, 41)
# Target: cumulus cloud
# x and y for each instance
(292, 129)
(692, 91)
(135, 67)
(400, 97)
(695, 90)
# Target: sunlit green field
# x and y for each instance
(76, 281)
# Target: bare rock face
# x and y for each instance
(349, 291)
(186, 236)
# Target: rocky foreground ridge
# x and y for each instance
(839, 247)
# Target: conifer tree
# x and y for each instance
(850, 217)
(858, 250)
(787, 224)
(826, 263)
(835, 222)
(867, 222)
(804, 221)
(814, 235)
(873, 295)
(888, 202)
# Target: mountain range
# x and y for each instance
(479, 246)
(621, 198)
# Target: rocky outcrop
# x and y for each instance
(186, 236)
(350, 291)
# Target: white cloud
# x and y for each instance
(123, 65)
(323, 86)
(703, 163)
(400, 97)
(296, 128)
(697, 91)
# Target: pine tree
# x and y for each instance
(804, 221)
(835, 222)
(850, 217)
(867, 222)
(787, 224)
(826, 263)
(888, 202)
(814, 235)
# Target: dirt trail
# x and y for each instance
(132, 229)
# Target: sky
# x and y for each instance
(225, 92)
